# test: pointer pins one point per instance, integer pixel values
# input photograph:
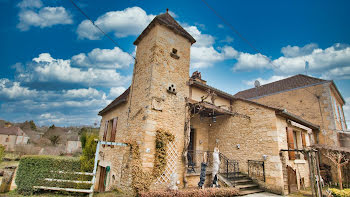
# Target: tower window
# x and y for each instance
(173, 54)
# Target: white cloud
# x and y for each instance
(47, 69)
(202, 57)
(264, 81)
(130, 21)
(295, 51)
(115, 92)
(33, 14)
(334, 59)
(30, 4)
(83, 93)
(201, 39)
(332, 62)
(249, 62)
(228, 39)
(103, 58)
(13, 90)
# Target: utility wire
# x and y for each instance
(93, 23)
(237, 32)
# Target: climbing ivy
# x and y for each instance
(141, 181)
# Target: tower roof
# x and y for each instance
(169, 22)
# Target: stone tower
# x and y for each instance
(158, 91)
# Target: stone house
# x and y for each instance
(250, 135)
(315, 100)
(12, 136)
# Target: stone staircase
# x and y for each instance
(241, 181)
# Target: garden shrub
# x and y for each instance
(340, 193)
(208, 192)
(2, 152)
(88, 158)
(32, 170)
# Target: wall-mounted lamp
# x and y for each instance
(238, 146)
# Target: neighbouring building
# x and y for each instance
(315, 100)
(12, 136)
(250, 135)
(73, 144)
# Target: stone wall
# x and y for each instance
(303, 103)
(255, 137)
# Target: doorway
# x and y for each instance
(292, 180)
(191, 150)
(101, 182)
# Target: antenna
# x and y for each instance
(306, 67)
(257, 83)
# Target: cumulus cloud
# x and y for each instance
(334, 59)
(249, 62)
(201, 39)
(45, 69)
(264, 81)
(33, 14)
(203, 52)
(115, 92)
(295, 51)
(13, 90)
(332, 62)
(130, 21)
(228, 40)
(103, 58)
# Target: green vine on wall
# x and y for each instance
(141, 181)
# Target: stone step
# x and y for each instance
(247, 187)
(253, 191)
(242, 181)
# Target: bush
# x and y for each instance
(340, 193)
(33, 170)
(2, 152)
(208, 192)
(88, 158)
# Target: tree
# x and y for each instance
(54, 139)
(52, 127)
(32, 125)
(88, 157)
(339, 159)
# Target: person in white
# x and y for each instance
(216, 165)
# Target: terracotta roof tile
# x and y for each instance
(168, 21)
(290, 83)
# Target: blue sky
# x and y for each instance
(57, 68)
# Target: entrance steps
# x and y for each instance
(243, 182)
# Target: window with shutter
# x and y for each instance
(290, 142)
(105, 132)
(114, 130)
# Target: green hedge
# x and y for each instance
(32, 171)
(340, 193)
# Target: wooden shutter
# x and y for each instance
(114, 130)
(290, 141)
(105, 133)
(303, 139)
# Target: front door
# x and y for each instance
(292, 180)
(190, 149)
(101, 182)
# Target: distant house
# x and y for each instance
(73, 144)
(12, 136)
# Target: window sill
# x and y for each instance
(299, 161)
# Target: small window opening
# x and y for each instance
(174, 50)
